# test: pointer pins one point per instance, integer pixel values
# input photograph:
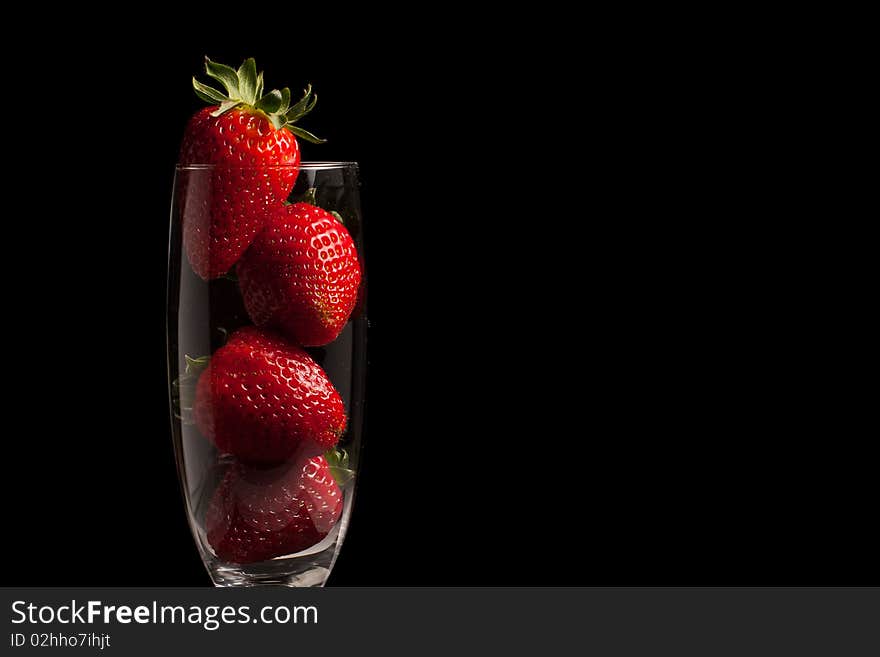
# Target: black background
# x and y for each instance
(592, 360)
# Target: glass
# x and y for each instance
(258, 377)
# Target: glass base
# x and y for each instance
(226, 575)
(308, 568)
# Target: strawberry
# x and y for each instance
(255, 515)
(265, 400)
(249, 138)
(301, 274)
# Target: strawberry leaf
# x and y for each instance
(183, 388)
(194, 366)
(311, 105)
(208, 94)
(305, 134)
(225, 106)
(298, 109)
(307, 196)
(225, 75)
(247, 81)
(259, 92)
(270, 102)
(285, 100)
(337, 459)
(341, 475)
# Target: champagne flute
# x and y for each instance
(267, 470)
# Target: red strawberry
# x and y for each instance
(301, 274)
(256, 515)
(265, 400)
(249, 141)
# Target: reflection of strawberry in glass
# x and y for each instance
(250, 140)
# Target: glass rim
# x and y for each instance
(315, 165)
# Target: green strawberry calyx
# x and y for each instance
(244, 88)
(183, 388)
(194, 366)
(310, 197)
(337, 460)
